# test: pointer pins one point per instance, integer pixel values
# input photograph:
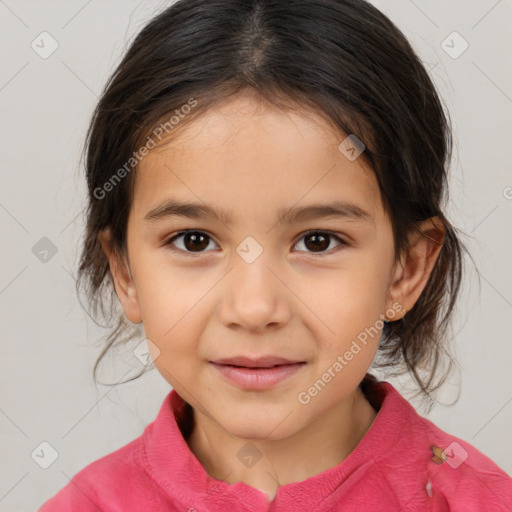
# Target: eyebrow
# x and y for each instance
(198, 211)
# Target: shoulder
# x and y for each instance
(125, 478)
(467, 477)
(105, 481)
(449, 470)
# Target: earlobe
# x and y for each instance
(412, 272)
(122, 278)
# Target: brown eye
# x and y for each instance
(319, 241)
(192, 241)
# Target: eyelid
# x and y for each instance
(168, 241)
(322, 231)
(341, 240)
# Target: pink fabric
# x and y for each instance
(389, 470)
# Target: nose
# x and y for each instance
(254, 297)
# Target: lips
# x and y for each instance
(258, 374)
(260, 362)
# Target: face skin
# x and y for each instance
(251, 159)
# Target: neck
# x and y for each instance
(321, 445)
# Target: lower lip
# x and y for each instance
(257, 378)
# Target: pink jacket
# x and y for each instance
(393, 468)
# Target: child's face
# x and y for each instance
(224, 299)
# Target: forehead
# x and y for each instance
(253, 158)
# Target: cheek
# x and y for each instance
(170, 304)
(347, 307)
(166, 292)
(346, 299)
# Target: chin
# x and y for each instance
(260, 426)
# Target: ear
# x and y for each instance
(412, 272)
(122, 277)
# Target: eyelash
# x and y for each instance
(170, 241)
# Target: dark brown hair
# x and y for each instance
(341, 59)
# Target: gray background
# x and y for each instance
(48, 343)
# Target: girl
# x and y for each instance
(266, 192)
